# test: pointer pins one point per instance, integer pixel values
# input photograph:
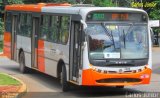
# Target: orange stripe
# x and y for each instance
(41, 61)
(33, 7)
(7, 44)
(89, 77)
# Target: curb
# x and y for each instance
(2, 55)
(1, 52)
(23, 88)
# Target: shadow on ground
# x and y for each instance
(75, 91)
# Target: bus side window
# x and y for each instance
(22, 18)
(64, 29)
(44, 27)
(29, 25)
(8, 22)
(53, 28)
(25, 24)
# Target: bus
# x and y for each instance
(80, 44)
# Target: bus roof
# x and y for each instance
(32, 7)
(66, 8)
(83, 11)
(77, 10)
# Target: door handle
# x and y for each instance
(53, 50)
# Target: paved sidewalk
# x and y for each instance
(156, 49)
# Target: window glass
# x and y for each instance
(53, 34)
(64, 31)
(44, 28)
(8, 22)
(28, 25)
(25, 24)
(55, 28)
(22, 24)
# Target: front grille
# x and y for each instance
(118, 80)
(121, 65)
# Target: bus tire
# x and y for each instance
(63, 80)
(22, 67)
(119, 86)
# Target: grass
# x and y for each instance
(7, 80)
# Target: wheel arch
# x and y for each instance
(59, 67)
(20, 50)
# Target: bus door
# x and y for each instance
(34, 42)
(13, 36)
(75, 51)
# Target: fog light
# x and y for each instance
(144, 76)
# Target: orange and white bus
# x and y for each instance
(88, 46)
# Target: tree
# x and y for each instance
(155, 14)
(1, 27)
(104, 3)
(2, 5)
(7, 2)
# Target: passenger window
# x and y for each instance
(22, 25)
(8, 22)
(25, 25)
(64, 29)
(55, 28)
(44, 27)
(29, 25)
(53, 34)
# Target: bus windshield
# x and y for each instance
(117, 41)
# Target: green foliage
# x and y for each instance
(8, 2)
(1, 26)
(155, 14)
(1, 46)
(1, 33)
(14, 1)
(48, 1)
(104, 3)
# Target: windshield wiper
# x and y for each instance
(113, 40)
(109, 35)
(129, 28)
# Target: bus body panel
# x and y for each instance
(19, 43)
(150, 49)
(85, 57)
(40, 55)
(51, 59)
(7, 44)
(92, 81)
(25, 45)
(53, 54)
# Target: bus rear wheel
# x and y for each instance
(63, 80)
(22, 67)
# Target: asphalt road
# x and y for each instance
(43, 86)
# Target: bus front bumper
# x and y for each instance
(94, 78)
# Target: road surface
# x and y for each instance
(43, 86)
